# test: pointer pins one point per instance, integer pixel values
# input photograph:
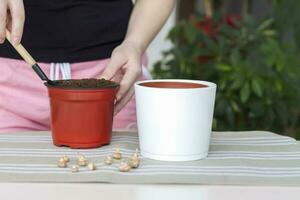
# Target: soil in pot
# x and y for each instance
(83, 84)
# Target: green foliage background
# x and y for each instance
(256, 67)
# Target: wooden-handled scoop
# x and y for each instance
(28, 58)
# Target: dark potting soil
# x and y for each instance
(84, 83)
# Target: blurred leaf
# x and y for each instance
(235, 106)
(235, 57)
(245, 92)
(223, 67)
(237, 83)
(256, 87)
(278, 85)
(265, 24)
(202, 52)
(269, 33)
(190, 33)
(210, 44)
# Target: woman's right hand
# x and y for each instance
(12, 17)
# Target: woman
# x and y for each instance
(73, 39)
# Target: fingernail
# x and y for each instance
(118, 98)
(1, 40)
(15, 40)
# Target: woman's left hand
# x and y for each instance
(125, 61)
(144, 24)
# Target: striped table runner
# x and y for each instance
(243, 158)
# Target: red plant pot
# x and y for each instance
(81, 118)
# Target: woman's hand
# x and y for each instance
(12, 17)
(124, 66)
(147, 18)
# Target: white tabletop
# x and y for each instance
(47, 191)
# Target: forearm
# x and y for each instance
(146, 20)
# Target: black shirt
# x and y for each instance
(72, 30)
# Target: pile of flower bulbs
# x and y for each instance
(82, 161)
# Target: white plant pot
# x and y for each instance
(174, 124)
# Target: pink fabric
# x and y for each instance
(24, 103)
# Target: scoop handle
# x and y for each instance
(27, 57)
(21, 50)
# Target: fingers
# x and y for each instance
(124, 101)
(17, 13)
(115, 63)
(125, 59)
(3, 13)
(131, 75)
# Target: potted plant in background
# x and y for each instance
(255, 63)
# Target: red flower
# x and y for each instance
(210, 29)
(231, 20)
(203, 59)
(206, 26)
